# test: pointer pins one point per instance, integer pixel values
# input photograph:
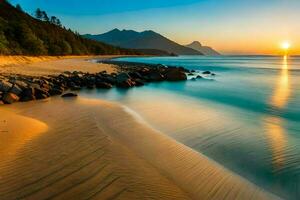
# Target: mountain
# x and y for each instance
(142, 40)
(208, 51)
(21, 34)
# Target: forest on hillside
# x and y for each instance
(22, 34)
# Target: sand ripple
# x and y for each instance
(96, 150)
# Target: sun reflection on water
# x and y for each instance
(274, 125)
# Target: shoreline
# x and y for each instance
(15, 87)
(141, 162)
(146, 163)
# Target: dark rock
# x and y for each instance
(193, 71)
(40, 93)
(10, 98)
(199, 76)
(69, 95)
(190, 74)
(21, 84)
(139, 82)
(175, 74)
(124, 81)
(16, 90)
(28, 94)
(126, 84)
(135, 75)
(5, 86)
(206, 72)
(56, 91)
(155, 76)
(75, 88)
(193, 79)
(103, 85)
(122, 77)
(213, 74)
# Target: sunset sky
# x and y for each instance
(230, 26)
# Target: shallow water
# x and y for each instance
(246, 117)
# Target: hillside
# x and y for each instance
(208, 51)
(142, 40)
(21, 34)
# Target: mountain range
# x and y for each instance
(147, 40)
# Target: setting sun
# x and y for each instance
(285, 45)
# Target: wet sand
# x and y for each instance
(92, 149)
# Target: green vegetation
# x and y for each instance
(21, 34)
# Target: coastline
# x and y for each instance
(135, 161)
(141, 162)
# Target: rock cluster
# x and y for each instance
(14, 88)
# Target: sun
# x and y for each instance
(285, 45)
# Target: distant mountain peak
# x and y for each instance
(208, 51)
(196, 43)
(143, 40)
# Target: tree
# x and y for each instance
(18, 6)
(29, 40)
(53, 20)
(38, 14)
(58, 23)
(45, 16)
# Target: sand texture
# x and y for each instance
(91, 149)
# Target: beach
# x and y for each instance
(50, 65)
(87, 148)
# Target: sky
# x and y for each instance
(229, 26)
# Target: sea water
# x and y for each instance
(246, 117)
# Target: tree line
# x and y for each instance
(22, 34)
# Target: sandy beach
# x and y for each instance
(93, 149)
(46, 65)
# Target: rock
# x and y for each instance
(193, 79)
(40, 93)
(126, 84)
(75, 88)
(155, 76)
(206, 72)
(122, 77)
(124, 81)
(28, 94)
(10, 98)
(135, 75)
(21, 84)
(55, 91)
(199, 77)
(103, 85)
(5, 86)
(70, 94)
(139, 82)
(190, 74)
(193, 71)
(213, 74)
(175, 74)
(16, 90)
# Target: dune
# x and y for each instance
(93, 149)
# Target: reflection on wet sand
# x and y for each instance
(274, 126)
(16, 132)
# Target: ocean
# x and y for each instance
(246, 117)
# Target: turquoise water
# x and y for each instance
(246, 118)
